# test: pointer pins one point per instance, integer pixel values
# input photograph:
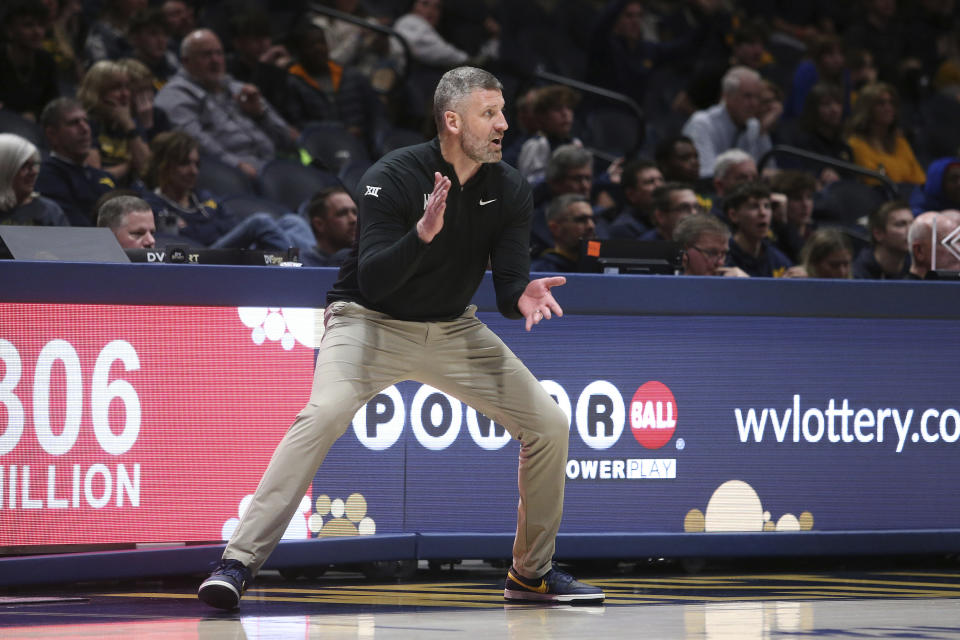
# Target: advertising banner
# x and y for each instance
(139, 424)
(123, 424)
(685, 424)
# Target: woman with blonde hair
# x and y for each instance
(19, 204)
(118, 136)
(876, 139)
(143, 89)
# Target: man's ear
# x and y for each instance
(451, 119)
(919, 253)
(684, 260)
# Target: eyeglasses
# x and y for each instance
(717, 255)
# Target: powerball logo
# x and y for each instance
(653, 415)
(653, 423)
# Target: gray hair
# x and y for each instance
(189, 41)
(14, 153)
(727, 160)
(113, 210)
(687, 233)
(53, 114)
(567, 157)
(559, 205)
(457, 84)
(735, 76)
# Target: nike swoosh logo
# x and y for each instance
(541, 588)
(484, 203)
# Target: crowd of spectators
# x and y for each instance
(768, 139)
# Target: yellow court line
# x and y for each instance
(826, 595)
(367, 600)
(690, 580)
(168, 596)
(481, 595)
(374, 600)
(693, 598)
(497, 601)
(620, 590)
(470, 588)
(786, 578)
(808, 577)
(865, 581)
(370, 599)
(788, 595)
(921, 574)
(358, 597)
(672, 584)
(399, 594)
(947, 589)
(626, 600)
(773, 576)
(493, 602)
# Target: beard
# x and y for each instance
(479, 149)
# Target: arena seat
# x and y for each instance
(290, 182)
(244, 206)
(331, 145)
(13, 122)
(221, 179)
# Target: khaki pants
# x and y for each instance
(364, 352)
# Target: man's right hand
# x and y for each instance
(432, 221)
(250, 101)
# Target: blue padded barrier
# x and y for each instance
(901, 311)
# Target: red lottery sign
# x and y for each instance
(141, 424)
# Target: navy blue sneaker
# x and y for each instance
(555, 586)
(225, 585)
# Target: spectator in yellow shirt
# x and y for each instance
(876, 139)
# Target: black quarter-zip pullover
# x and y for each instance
(392, 271)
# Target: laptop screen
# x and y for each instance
(68, 244)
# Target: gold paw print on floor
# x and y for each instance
(335, 517)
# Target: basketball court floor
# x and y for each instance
(654, 599)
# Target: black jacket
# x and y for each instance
(392, 271)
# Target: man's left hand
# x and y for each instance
(537, 303)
